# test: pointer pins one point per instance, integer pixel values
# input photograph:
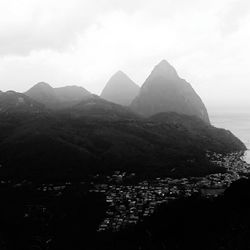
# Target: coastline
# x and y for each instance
(238, 124)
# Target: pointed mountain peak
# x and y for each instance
(119, 74)
(165, 91)
(119, 79)
(120, 89)
(164, 62)
(164, 68)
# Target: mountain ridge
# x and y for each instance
(57, 98)
(14, 102)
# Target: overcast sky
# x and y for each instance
(83, 42)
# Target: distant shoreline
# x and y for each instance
(238, 124)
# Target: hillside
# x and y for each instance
(12, 102)
(66, 146)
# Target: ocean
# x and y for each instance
(238, 124)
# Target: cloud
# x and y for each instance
(84, 42)
(233, 16)
(28, 25)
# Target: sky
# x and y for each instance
(84, 42)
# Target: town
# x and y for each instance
(129, 204)
(129, 201)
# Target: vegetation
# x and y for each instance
(73, 145)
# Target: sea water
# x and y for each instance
(238, 124)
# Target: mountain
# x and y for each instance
(43, 93)
(85, 134)
(12, 102)
(165, 91)
(120, 89)
(83, 140)
(57, 98)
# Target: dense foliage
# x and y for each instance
(62, 145)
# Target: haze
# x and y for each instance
(84, 42)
